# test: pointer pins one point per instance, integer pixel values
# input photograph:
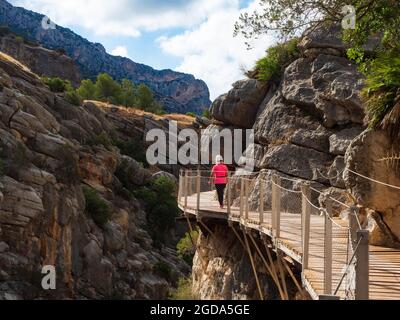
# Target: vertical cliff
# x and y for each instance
(67, 199)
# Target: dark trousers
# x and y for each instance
(220, 190)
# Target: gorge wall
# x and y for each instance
(222, 269)
(308, 127)
(51, 152)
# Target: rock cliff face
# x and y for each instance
(41, 61)
(303, 124)
(49, 154)
(178, 92)
(370, 155)
(222, 270)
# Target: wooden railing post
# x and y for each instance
(305, 223)
(246, 193)
(228, 196)
(198, 187)
(362, 265)
(328, 249)
(353, 225)
(276, 206)
(185, 188)
(241, 196)
(261, 187)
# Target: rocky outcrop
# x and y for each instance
(40, 60)
(303, 122)
(370, 155)
(239, 106)
(178, 92)
(50, 153)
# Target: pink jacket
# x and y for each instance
(220, 173)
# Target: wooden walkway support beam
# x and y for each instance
(246, 241)
(198, 189)
(246, 197)
(269, 268)
(241, 197)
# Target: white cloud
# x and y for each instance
(125, 17)
(210, 52)
(121, 51)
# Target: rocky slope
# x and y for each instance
(50, 150)
(178, 92)
(40, 60)
(308, 126)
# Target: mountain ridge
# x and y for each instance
(178, 92)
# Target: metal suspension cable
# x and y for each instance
(333, 199)
(347, 267)
(373, 180)
(333, 221)
(288, 190)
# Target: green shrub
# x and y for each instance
(124, 93)
(100, 139)
(133, 148)
(56, 84)
(161, 206)
(87, 90)
(19, 39)
(186, 247)
(4, 30)
(68, 171)
(73, 97)
(207, 113)
(191, 114)
(20, 158)
(276, 60)
(96, 207)
(381, 88)
(184, 291)
(163, 270)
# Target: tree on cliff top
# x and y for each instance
(124, 93)
(288, 18)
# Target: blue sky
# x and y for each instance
(193, 36)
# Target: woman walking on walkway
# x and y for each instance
(219, 174)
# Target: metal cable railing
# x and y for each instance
(289, 209)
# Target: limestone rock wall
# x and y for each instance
(47, 156)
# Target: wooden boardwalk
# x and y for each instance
(384, 263)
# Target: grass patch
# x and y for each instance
(184, 291)
(277, 59)
(96, 207)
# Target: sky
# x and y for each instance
(191, 36)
